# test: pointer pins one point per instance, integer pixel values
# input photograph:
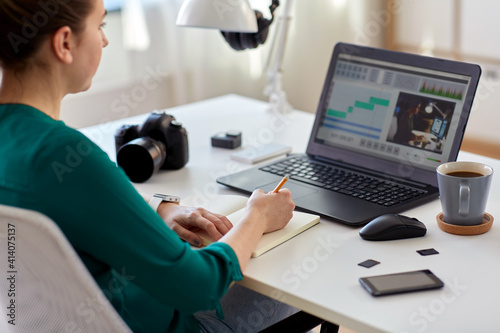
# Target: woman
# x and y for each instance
(49, 49)
(406, 121)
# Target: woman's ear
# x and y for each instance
(63, 44)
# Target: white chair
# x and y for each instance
(43, 277)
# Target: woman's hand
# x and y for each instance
(265, 212)
(275, 209)
(187, 221)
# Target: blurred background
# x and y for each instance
(151, 63)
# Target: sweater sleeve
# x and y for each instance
(104, 218)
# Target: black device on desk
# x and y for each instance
(392, 227)
(401, 282)
(356, 168)
(159, 143)
(229, 139)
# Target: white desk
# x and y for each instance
(317, 271)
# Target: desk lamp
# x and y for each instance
(235, 16)
(243, 28)
(431, 106)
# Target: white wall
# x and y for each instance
(465, 30)
(315, 27)
(121, 88)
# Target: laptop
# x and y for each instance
(384, 122)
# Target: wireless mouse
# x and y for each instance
(392, 226)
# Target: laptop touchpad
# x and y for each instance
(296, 189)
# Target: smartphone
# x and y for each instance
(401, 282)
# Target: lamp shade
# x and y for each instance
(234, 15)
(429, 108)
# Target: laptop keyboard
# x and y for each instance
(376, 190)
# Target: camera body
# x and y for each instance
(159, 143)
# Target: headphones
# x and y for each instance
(245, 40)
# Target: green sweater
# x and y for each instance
(153, 279)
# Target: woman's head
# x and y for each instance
(26, 24)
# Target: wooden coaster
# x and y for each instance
(466, 230)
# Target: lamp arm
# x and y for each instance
(272, 8)
(273, 64)
(444, 115)
(276, 66)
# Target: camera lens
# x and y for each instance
(140, 158)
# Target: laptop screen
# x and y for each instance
(392, 110)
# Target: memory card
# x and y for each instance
(427, 252)
(369, 263)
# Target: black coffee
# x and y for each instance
(465, 174)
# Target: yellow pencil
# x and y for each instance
(282, 182)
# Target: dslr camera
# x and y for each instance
(159, 143)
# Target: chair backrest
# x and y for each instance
(44, 286)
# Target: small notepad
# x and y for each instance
(233, 206)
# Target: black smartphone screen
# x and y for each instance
(401, 282)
